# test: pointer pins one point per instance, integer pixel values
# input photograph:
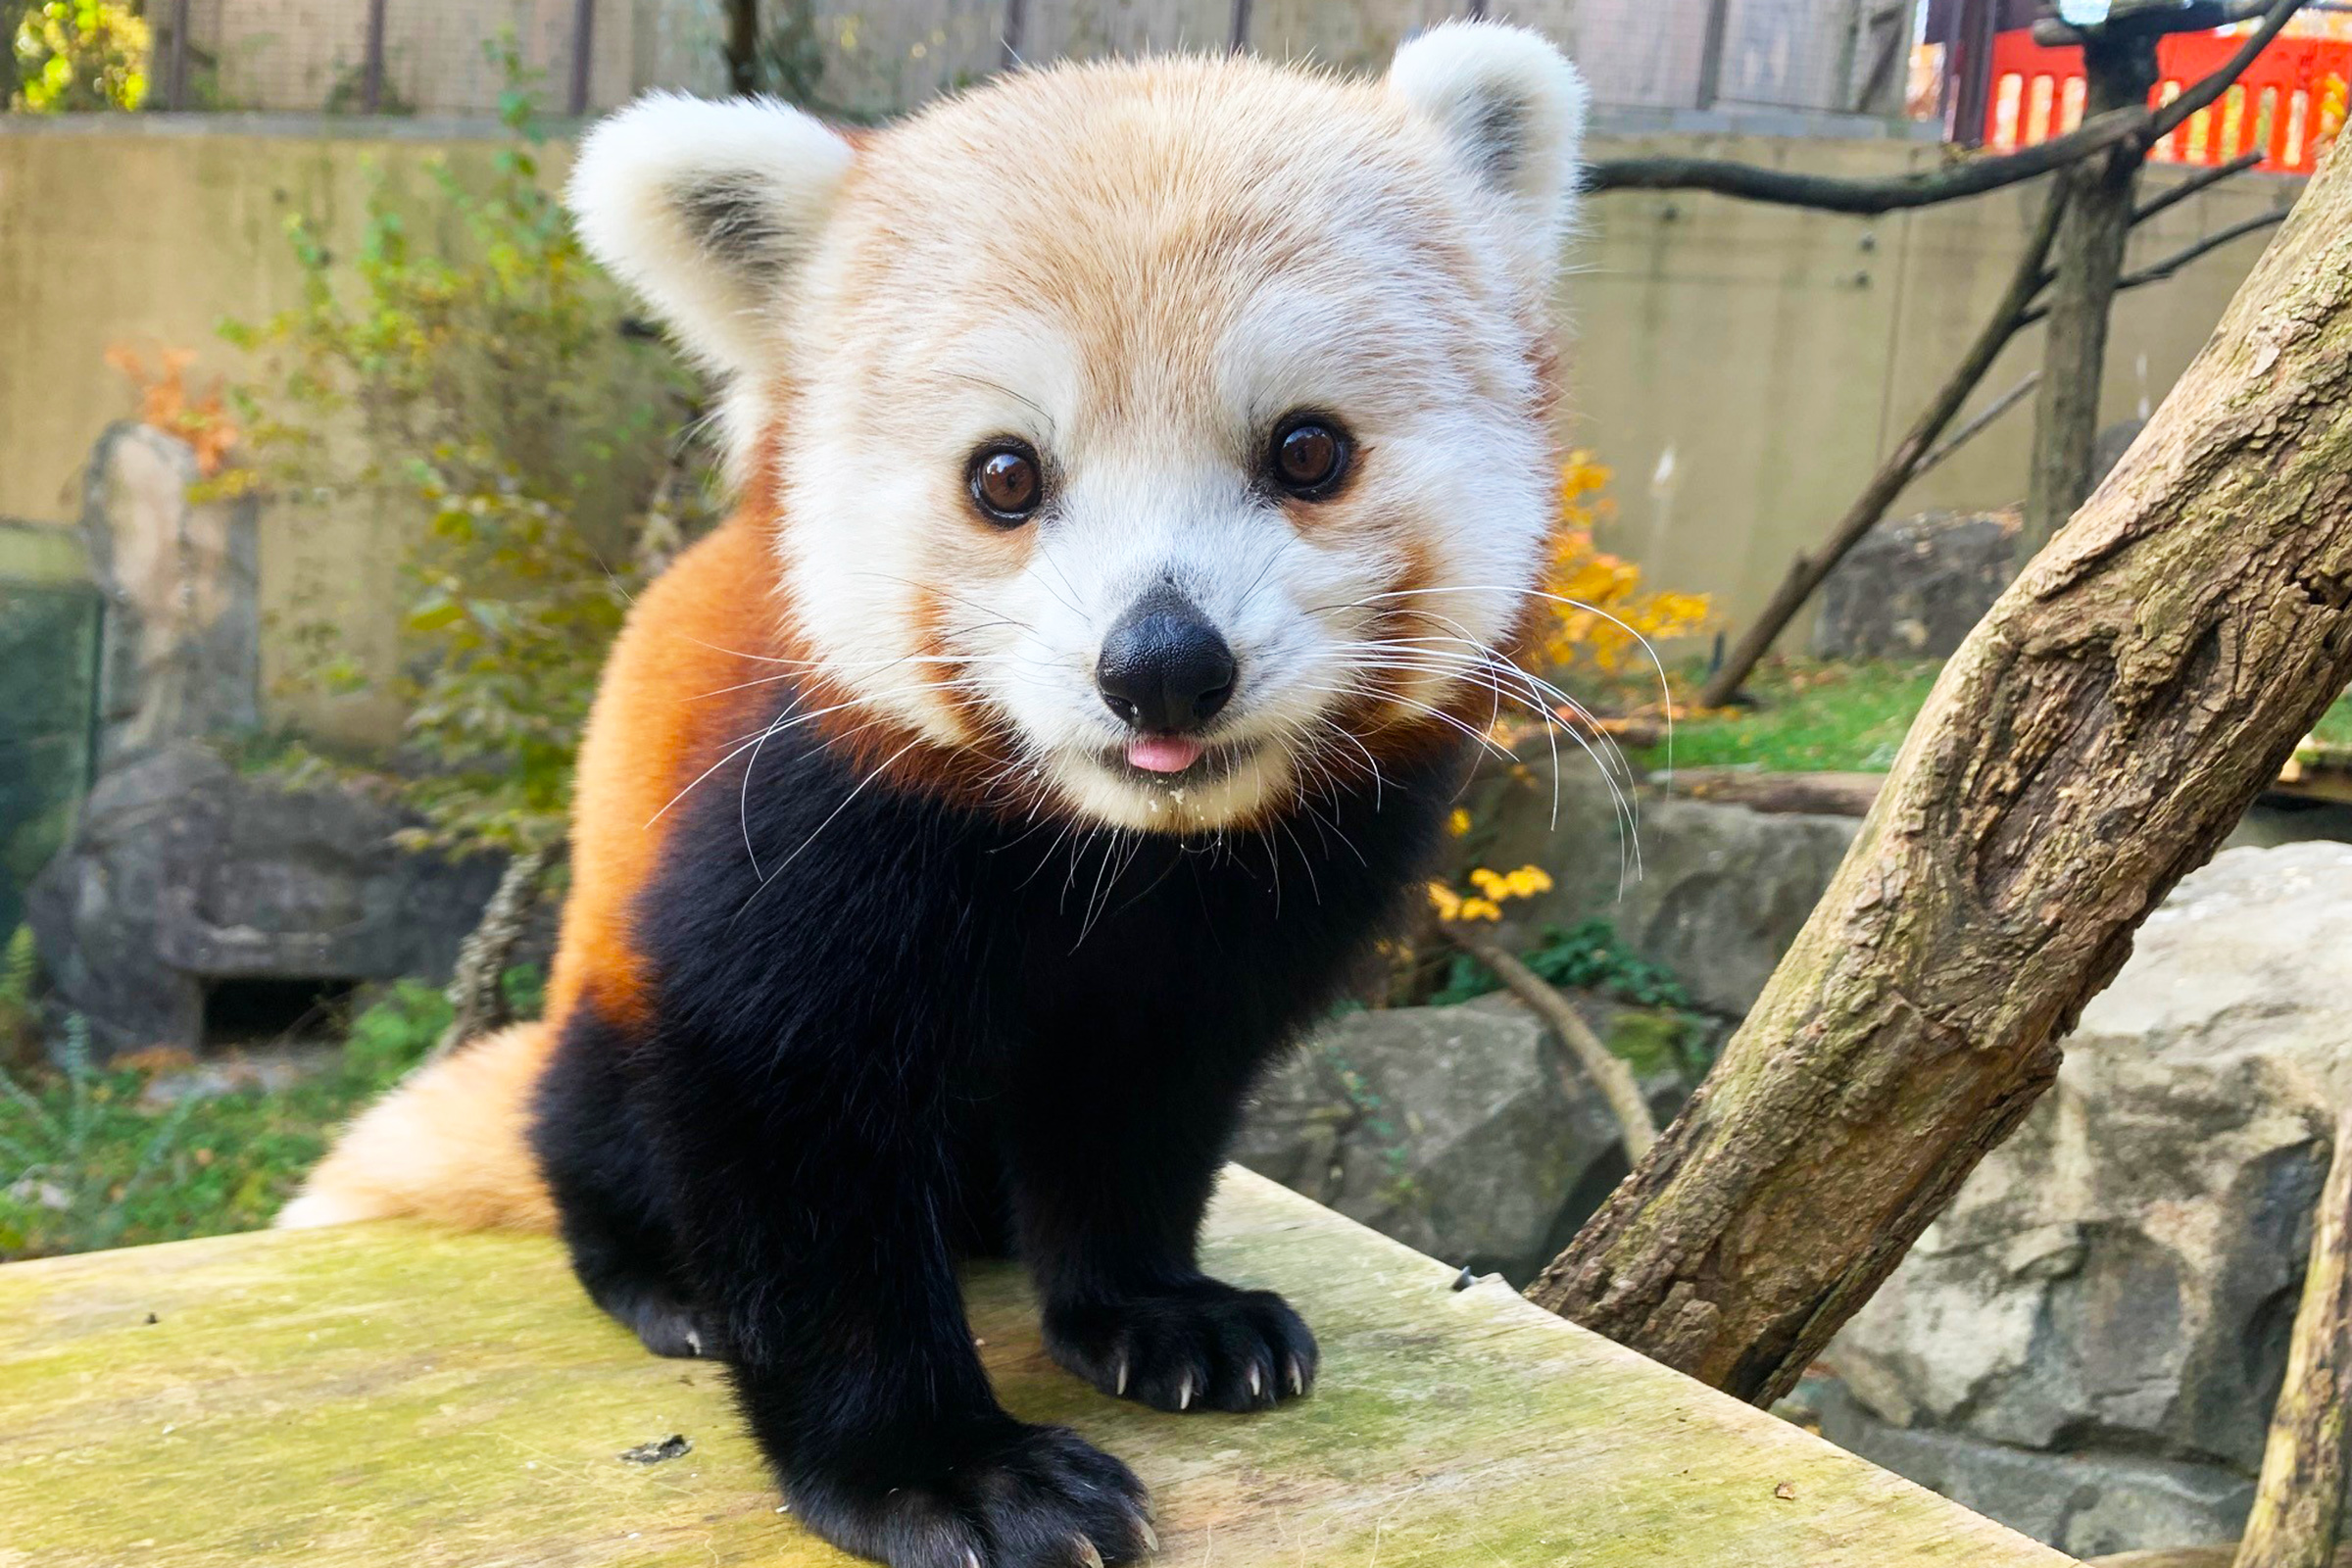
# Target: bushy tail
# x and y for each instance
(450, 1143)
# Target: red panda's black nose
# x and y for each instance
(1163, 668)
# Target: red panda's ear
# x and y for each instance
(1513, 110)
(704, 209)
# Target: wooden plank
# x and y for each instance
(391, 1395)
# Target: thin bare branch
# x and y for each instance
(2140, 128)
(2202, 180)
(2157, 272)
(1611, 1075)
(1805, 574)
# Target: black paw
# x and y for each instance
(1202, 1346)
(666, 1325)
(1001, 1496)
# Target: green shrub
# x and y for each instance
(19, 1012)
(393, 1034)
(1589, 955)
(64, 1169)
(115, 1156)
(78, 55)
(484, 399)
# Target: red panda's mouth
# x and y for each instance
(1165, 763)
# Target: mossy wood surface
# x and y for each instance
(396, 1396)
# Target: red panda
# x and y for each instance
(1143, 466)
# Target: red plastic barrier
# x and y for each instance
(2289, 102)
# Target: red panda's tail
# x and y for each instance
(450, 1143)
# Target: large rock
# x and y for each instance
(181, 578)
(2085, 1503)
(1467, 1133)
(1915, 587)
(2118, 1280)
(1714, 892)
(184, 874)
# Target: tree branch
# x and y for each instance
(1976, 426)
(1971, 176)
(2173, 116)
(2202, 180)
(2299, 1499)
(2096, 737)
(2157, 272)
(1806, 572)
(2138, 127)
(1611, 1075)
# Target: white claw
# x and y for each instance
(1087, 1553)
(1151, 1535)
(694, 1340)
(1297, 1377)
(1184, 1393)
(971, 1558)
(1257, 1385)
(1121, 1390)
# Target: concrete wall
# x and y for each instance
(1745, 368)
(1742, 366)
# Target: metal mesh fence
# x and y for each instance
(48, 703)
(866, 58)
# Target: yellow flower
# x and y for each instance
(1599, 614)
(1458, 823)
(1487, 882)
(1527, 882)
(1447, 901)
(1481, 910)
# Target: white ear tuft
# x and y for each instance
(704, 209)
(1514, 110)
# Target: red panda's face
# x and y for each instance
(1170, 437)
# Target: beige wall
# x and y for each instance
(1777, 354)
(1774, 353)
(138, 232)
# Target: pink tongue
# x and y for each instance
(1164, 753)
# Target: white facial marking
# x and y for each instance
(1138, 272)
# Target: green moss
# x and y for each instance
(393, 1393)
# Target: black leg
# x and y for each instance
(816, 1187)
(1115, 1154)
(599, 1165)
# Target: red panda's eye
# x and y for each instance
(1309, 457)
(1005, 482)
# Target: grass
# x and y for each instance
(2335, 727)
(89, 1159)
(1810, 717)
(1813, 717)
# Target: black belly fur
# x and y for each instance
(891, 1032)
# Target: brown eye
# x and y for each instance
(1309, 457)
(1007, 484)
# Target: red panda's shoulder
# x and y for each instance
(673, 693)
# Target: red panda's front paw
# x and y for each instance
(1199, 1347)
(1012, 1497)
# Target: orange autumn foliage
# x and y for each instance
(1599, 613)
(167, 403)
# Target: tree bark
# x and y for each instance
(2090, 262)
(2299, 1502)
(2093, 740)
(742, 46)
(1806, 571)
(476, 998)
